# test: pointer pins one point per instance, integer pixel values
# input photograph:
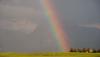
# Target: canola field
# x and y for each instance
(50, 54)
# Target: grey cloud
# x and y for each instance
(18, 12)
(18, 18)
(18, 25)
(97, 26)
(19, 15)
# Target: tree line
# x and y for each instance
(87, 50)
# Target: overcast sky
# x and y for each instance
(24, 28)
(81, 20)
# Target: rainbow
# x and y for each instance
(55, 25)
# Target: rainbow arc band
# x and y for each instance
(57, 29)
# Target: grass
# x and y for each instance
(49, 54)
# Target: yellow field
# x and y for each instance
(67, 54)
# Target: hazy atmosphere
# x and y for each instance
(24, 28)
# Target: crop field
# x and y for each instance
(50, 54)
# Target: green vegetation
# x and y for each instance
(50, 54)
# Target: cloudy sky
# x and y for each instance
(24, 28)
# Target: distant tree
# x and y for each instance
(75, 50)
(98, 50)
(79, 50)
(94, 50)
(71, 50)
(85, 50)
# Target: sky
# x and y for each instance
(80, 18)
(24, 28)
